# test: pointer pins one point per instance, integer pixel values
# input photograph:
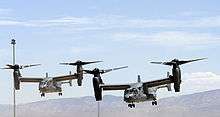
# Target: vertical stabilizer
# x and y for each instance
(139, 78)
(46, 75)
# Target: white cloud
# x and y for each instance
(195, 83)
(170, 38)
(60, 22)
(207, 22)
(114, 21)
(4, 11)
(183, 38)
(201, 81)
(12, 23)
(199, 75)
(201, 22)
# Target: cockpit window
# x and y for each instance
(43, 83)
(134, 90)
(126, 91)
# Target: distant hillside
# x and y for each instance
(205, 104)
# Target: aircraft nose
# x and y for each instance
(128, 96)
(43, 86)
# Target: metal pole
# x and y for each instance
(14, 96)
(98, 108)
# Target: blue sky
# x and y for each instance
(118, 32)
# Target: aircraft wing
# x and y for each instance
(66, 77)
(115, 87)
(156, 83)
(29, 79)
(168, 86)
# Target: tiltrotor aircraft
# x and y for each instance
(176, 72)
(97, 80)
(50, 84)
(46, 84)
(146, 91)
(53, 84)
(139, 91)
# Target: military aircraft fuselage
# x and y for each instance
(136, 94)
(48, 85)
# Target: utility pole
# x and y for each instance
(13, 61)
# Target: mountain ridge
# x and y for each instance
(203, 104)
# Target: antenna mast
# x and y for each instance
(13, 42)
(98, 108)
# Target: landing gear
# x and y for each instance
(131, 105)
(60, 94)
(42, 95)
(154, 102)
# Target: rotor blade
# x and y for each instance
(157, 62)
(88, 72)
(108, 70)
(163, 63)
(184, 62)
(80, 63)
(5, 68)
(85, 63)
(25, 66)
(64, 63)
(84, 72)
(9, 65)
(68, 63)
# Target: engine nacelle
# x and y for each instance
(79, 78)
(16, 82)
(177, 82)
(176, 79)
(97, 89)
(79, 82)
(177, 87)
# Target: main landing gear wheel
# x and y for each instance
(42, 95)
(60, 94)
(154, 102)
(131, 105)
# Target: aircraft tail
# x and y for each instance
(139, 79)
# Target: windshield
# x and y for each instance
(132, 90)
